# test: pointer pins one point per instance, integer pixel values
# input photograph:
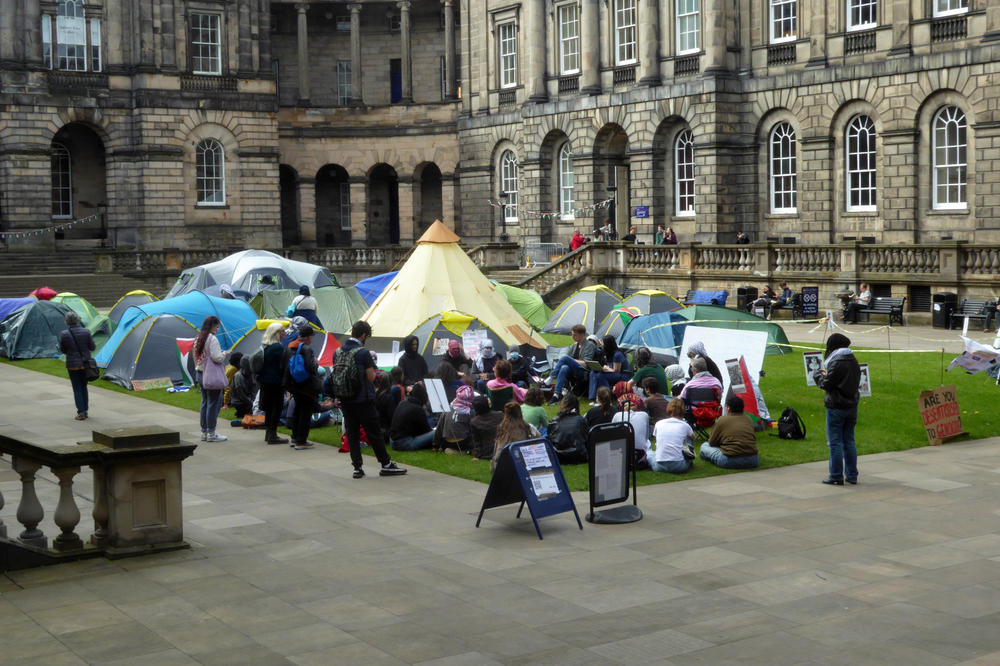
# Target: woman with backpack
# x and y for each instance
(840, 377)
(208, 360)
(301, 378)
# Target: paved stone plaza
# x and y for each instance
(292, 561)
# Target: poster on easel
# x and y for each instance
(865, 385)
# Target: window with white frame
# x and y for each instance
(345, 206)
(782, 164)
(344, 82)
(784, 20)
(507, 47)
(210, 173)
(860, 154)
(206, 43)
(624, 32)
(949, 7)
(73, 33)
(62, 182)
(569, 39)
(950, 160)
(566, 183)
(688, 26)
(862, 14)
(508, 185)
(684, 174)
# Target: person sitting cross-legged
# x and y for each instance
(572, 366)
(673, 435)
(732, 444)
(410, 430)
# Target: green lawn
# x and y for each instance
(888, 421)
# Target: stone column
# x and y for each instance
(817, 35)
(714, 17)
(649, 43)
(449, 48)
(407, 192)
(303, 44)
(448, 198)
(307, 211)
(590, 48)
(357, 92)
(29, 509)
(534, 46)
(359, 211)
(32, 35)
(901, 35)
(992, 22)
(405, 56)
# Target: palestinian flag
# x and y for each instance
(745, 386)
(325, 357)
(185, 357)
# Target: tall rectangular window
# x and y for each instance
(950, 160)
(62, 182)
(72, 31)
(684, 174)
(507, 39)
(569, 39)
(949, 7)
(566, 183)
(688, 26)
(343, 82)
(624, 32)
(782, 160)
(784, 20)
(862, 14)
(95, 45)
(860, 150)
(395, 80)
(345, 206)
(206, 43)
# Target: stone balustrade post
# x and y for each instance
(951, 261)
(763, 260)
(67, 515)
(29, 509)
(100, 536)
(850, 263)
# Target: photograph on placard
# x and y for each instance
(813, 362)
(440, 347)
(736, 384)
(865, 385)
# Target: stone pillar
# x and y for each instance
(649, 43)
(303, 44)
(32, 35)
(899, 192)
(815, 193)
(714, 17)
(449, 48)
(406, 193)
(992, 22)
(817, 35)
(534, 45)
(307, 211)
(590, 48)
(405, 56)
(529, 197)
(357, 92)
(359, 211)
(448, 186)
(901, 35)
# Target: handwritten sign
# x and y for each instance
(940, 413)
(147, 384)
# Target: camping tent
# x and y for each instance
(661, 332)
(149, 351)
(647, 301)
(719, 317)
(32, 331)
(136, 297)
(589, 307)
(8, 305)
(451, 326)
(245, 270)
(43, 293)
(89, 316)
(439, 276)
(338, 307)
(371, 288)
(236, 316)
(528, 304)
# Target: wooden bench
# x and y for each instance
(887, 305)
(794, 305)
(970, 309)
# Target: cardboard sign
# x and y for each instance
(940, 413)
(146, 384)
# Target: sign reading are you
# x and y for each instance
(940, 413)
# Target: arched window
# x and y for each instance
(860, 149)
(783, 178)
(508, 184)
(684, 174)
(566, 182)
(948, 154)
(62, 182)
(210, 173)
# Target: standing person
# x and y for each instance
(77, 344)
(305, 306)
(659, 236)
(271, 378)
(631, 237)
(359, 411)
(742, 238)
(578, 241)
(670, 238)
(572, 366)
(413, 365)
(840, 377)
(207, 350)
(305, 392)
(859, 301)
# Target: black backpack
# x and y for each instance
(791, 425)
(344, 380)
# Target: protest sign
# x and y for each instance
(940, 413)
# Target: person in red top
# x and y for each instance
(577, 241)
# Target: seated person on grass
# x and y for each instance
(732, 444)
(701, 378)
(631, 410)
(242, 389)
(454, 427)
(512, 429)
(409, 430)
(533, 409)
(655, 403)
(484, 424)
(502, 380)
(572, 366)
(646, 367)
(568, 432)
(672, 435)
(697, 350)
(676, 377)
(604, 410)
(520, 368)
(614, 370)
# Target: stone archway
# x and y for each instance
(383, 206)
(79, 182)
(333, 206)
(430, 207)
(290, 213)
(611, 169)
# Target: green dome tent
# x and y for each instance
(89, 316)
(645, 302)
(32, 331)
(339, 307)
(715, 316)
(528, 304)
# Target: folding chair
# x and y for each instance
(703, 409)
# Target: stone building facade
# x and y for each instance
(809, 121)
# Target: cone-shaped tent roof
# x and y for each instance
(438, 277)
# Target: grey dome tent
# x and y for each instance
(251, 271)
(32, 331)
(150, 351)
(136, 297)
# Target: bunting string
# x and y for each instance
(27, 233)
(550, 215)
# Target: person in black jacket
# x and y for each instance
(305, 392)
(410, 430)
(77, 344)
(840, 379)
(414, 365)
(270, 373)
(568, 432)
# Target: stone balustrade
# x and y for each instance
(136, 496)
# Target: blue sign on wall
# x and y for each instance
(810, 301)
(640, 211)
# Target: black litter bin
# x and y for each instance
(942, 305)
(745, 296)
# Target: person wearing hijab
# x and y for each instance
(486, 365)
(305, 306)
(697, 350)
(414, 365)
(839, 378)
(456, 358)
(292, 332)
(454, 427)
(676, 377)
